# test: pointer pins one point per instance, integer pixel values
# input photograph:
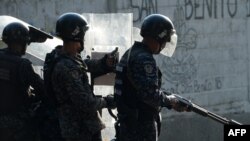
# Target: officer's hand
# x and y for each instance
(176, 104)
(110, 101)
(172, 101)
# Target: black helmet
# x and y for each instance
(71, 26)
(16, 32)
(158, 27)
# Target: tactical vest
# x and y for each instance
(50, 61)
(50, 123)
(128, 104)
(125, 92)
(13, 94)
(126, 101)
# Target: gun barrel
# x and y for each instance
(201, 111)
(233, 122)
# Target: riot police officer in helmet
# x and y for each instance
(137, 91)
(16, 36)
(161, 29)
(16, 76)
(66, 75)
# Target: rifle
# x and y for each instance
(201, 111)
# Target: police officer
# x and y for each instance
(16, 77)
(137, 89)
(76, 105)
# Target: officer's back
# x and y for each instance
(16, 76)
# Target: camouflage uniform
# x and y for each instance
(137, 94)
(77, 106)
(16, 76)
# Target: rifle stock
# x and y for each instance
(202, 111)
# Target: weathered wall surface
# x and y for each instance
(43, 13)
(210, 66)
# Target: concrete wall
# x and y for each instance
(43, 13)
(211, 63)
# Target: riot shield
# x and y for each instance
(37, 50)
(106, 32)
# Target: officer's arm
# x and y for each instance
(31, 78)
(79, 92)
(98, 67)
(143, 76)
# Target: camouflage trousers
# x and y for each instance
(142, 131)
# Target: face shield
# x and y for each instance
(169, 47)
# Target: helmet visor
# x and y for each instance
(169, 48)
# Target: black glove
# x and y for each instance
(170, 101)
(110, 102)
(166, 102)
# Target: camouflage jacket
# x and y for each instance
(76, 104)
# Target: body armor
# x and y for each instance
(13, 96)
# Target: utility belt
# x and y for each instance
(135, 115)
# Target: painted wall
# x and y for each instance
(210, 66)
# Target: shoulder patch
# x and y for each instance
(148, 68)
(75, 74)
